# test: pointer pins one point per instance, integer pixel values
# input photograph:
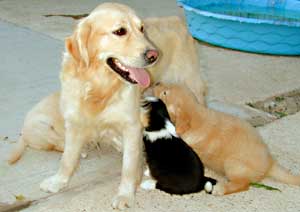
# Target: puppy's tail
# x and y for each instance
(208, 184)
(281, 174)
(17, 152)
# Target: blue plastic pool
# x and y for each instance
(262, 26)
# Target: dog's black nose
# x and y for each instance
(151, 56)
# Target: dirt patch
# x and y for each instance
(280, 105)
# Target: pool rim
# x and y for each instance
(237, 18)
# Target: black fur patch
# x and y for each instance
(172, 163)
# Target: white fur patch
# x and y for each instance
(208, 187)
(147, 172)
(153, 136)
(148, 184)
(54, 184)
(84, 155)
(166, 133)
(66, 56)
(105, 55)
(171, 128)
(151, 99)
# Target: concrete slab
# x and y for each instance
(97, 198)
(239, 77)
(30, 63)
(30, 13)
(25, 176)
(282, 137)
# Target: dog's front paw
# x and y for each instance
(122, 202)
(218, 189)
(53, 184)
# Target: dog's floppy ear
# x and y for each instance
(77, 44)
(72, 48)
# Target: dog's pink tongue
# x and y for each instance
(140, 75)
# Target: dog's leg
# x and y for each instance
(75, 139)
(131, 168)
(238, 175)
(233, 186)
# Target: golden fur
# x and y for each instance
(224, 143)
(177, 53)
(179, 61)
(95, 103)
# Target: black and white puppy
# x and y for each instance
(175, 167)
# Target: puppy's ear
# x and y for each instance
(182, 121)
(77, 44)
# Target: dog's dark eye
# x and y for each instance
(142, 29)
(120, 32)
(165, 93)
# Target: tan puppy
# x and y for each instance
(224, 143)
(43, 126)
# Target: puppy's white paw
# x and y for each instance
(147, 172)
(54, 184)
(208, 187)
(121, 202)
(218, 189)
(148, 184)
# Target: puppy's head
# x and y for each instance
(170, 94)
(155, 114)
(113, 36)
(180, 103)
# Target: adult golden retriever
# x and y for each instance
(104, 59)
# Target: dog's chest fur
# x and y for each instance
(120, 110)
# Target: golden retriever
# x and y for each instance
(102, 72)
(177, 52)
(107, 52)
(224, 143)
